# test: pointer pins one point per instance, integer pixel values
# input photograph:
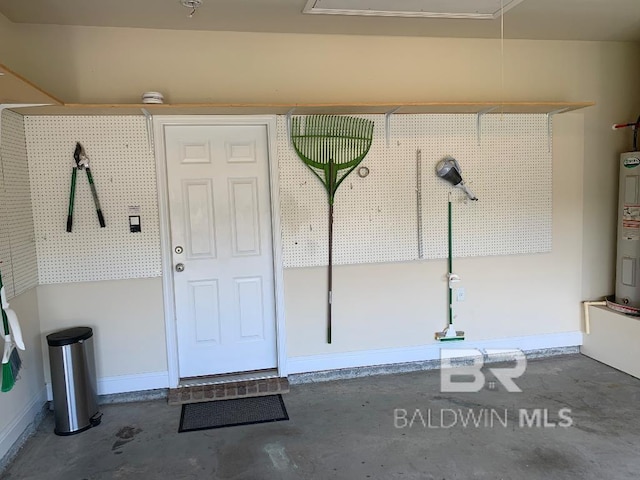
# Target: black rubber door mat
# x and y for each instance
(231, 413)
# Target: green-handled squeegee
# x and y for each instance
(449, 169)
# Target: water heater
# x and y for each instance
(628, 256)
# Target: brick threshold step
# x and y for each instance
(227, 391)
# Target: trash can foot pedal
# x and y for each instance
(96, 419)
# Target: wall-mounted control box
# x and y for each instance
(134, 223)
(134, 219)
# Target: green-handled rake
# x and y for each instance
(332, 147)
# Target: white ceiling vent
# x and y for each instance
(478, 9)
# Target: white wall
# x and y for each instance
(17, 254)
(123, 170)
(19, 406)
(17, 237)
(607, 345)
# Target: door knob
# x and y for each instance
(179, 267)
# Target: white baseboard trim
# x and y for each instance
(127, 383)
(12, 432)
(388, 356)
(133, 383)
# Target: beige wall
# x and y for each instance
(376, 306)
(90, 64)
(403, 304)
(30, 386)
(7, 40)
(384, 305)
(617, 68)
(127, 320)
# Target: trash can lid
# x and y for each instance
(69, 336)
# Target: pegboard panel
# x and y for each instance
(17, 237)
(123, 169)
(375, 218)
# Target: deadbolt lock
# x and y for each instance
(179, 250)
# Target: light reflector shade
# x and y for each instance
(449, 170)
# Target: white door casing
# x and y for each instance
(224, 311)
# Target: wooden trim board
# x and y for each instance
(16, 89)
(304, 109)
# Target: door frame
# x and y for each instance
(269, 121)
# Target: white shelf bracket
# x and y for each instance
(149, 123)
(288, 122)
(479, 116)
(550, 125)
(387, 124)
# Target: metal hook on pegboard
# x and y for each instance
(288, 118)
(387, 124)
(479, 116)
(149, 124)
(550, 125)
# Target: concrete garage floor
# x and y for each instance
(347, 430)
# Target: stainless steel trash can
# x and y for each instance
(73, 380)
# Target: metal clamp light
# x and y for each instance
(449, 169)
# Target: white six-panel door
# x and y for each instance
(220, 221)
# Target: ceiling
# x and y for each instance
(599, 20)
